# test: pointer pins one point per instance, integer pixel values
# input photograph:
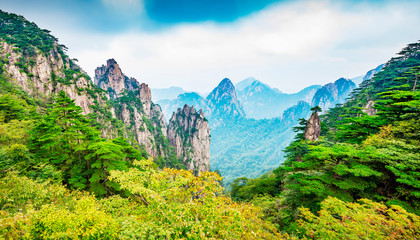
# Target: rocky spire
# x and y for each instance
(313, 128)
(145, 96)
(111, 79)
(224, 104)
(189, 133)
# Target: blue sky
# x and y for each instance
(195, 44)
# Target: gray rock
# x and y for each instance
(313, 128)
(368, 109)
(189, 133)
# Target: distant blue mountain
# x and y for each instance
(332, 93)
(261, 101)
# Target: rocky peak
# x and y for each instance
(145, 96)
(189, 133)
(223, 102)
(112, 79)
(313, 128)
(333, 93)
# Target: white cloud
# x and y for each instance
(289, 46)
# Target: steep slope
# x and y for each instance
(332, 93)
(119, 107)
(111, 79)
(134, 107)
(223, 104)
(373, 156)
(369, 75)
(189, 132)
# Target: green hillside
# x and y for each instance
(358, 156)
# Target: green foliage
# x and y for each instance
(176, 204)
(358, 157)
(26, 35)
(316, 109)
(105, 156)
(165, 204)
(12, 107)
(363, 220)
(246, 189)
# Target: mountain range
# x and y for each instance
(250, 126)
(251, 122)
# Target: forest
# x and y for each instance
(60, 179)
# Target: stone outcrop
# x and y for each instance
(313, 128)
(368, 109)
(111, 79)
(46, 75)
(189, 133)
(42, 69)
(134, 106)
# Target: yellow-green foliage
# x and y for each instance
(163, 204)
(32, 210)
(363, 220)
(175, 204)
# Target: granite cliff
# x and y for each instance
(189, 133)
(32, 59)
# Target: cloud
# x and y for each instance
(289, 46)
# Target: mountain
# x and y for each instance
(249, 147)
(35, 63)
(111, 79)
(349, 156)
(189, 98)
(224, 104)
(260, 101)
(368, 75)
(243, 147)
(166, 93)
(332, 93)
(189, 132)
(244, 83)
(134, 107)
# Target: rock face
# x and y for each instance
(332, 93)
(224, 104)
(47, 75)
(111, 79)
(190, 98)
(134, 106)
(189, 133)
(368, 109)
(313, 128)
(42, 69)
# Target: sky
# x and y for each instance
(194, 44)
